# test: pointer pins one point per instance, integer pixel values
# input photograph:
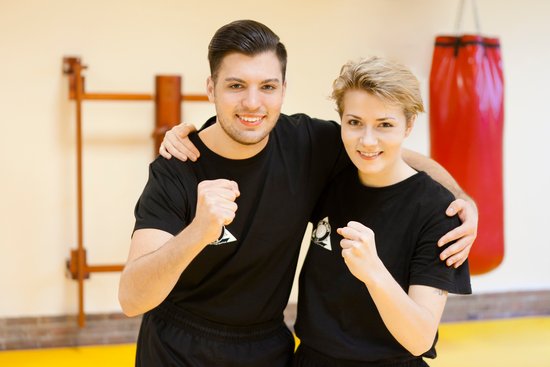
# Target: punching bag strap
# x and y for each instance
(458, 24)
(460, 13)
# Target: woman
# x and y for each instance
(372, 288)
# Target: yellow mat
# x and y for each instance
(523, 342)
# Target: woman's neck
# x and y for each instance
(389, 176)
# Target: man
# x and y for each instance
(216, 242)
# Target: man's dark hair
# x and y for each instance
(247, 37)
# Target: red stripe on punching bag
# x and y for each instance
(466, 130)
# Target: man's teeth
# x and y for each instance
(251, 119)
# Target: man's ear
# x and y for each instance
(210, 89)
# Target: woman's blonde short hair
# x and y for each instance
(392, 82)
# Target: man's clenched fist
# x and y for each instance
(216, 206)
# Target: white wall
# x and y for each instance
(125, 43)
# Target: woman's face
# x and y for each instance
(373, 132)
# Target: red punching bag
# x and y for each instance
(466, 131)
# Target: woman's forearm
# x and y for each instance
(413, 318)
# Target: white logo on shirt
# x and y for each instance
(321, 234)
(226, 237)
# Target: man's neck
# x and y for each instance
(223, 145)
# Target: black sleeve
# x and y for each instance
(328, 146)
(426, 267)
(164, 202)
(330, 155)
(211, 121)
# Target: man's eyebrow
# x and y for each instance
(232, 79)
(235, 79)
(272, 80)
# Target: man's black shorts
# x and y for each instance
(172, 337)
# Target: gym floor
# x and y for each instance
(503, 343)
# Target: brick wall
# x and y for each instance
(63, 331)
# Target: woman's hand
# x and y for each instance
(359, 251)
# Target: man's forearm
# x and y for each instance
(148, 279)
(436, 171)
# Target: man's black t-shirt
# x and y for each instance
(336, 314)
(246, 277)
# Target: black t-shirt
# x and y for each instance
(336, 314)
(246, 278)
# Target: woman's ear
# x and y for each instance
(410, 125)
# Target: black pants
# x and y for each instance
(170, 337)
(308, 357)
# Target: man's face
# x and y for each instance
(248, 95)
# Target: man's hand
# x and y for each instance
(216, 207)
(457, 253)
(177, 144)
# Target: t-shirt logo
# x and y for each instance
(321, 234)
(226, 237)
